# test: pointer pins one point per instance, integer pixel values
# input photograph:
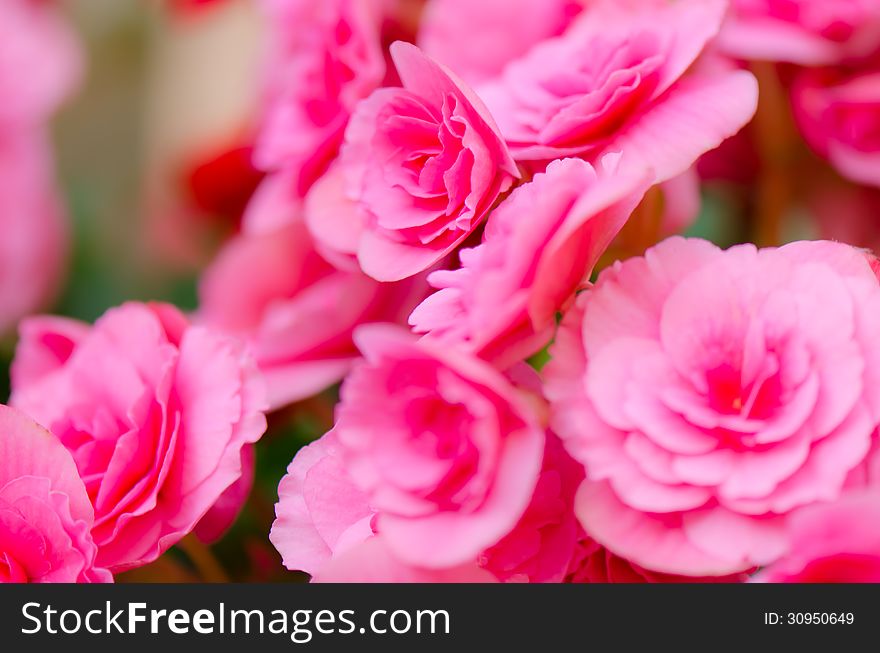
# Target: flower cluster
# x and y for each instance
(469, 217)
(702, 397)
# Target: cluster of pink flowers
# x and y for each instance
(702, 409)
(441, 183)
(157, 416)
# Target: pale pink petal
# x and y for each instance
(694, 117)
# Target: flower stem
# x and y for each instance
(776, 138)
(203, 560)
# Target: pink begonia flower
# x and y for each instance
(839, 116)
(323, 58)
(320, 512)
(321, 515)
(155, 412)
(420, 169)
(548, 544)
(33, 250)
(539, 246)
(542, 545)
(325, 527)
(477, 39)
(445, 447)
(45, 513)
(835, 542)
(36, 40)
(373, 561)
(806, 32)
(710, 393)
(616, 82)
(295, 310)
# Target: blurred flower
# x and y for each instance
(324, 57)
(45, 514)
(154, 411)
(296, 311)
(807, 32)
(33, 250)
(33, 38)
(839, 115)
(222, 183)
(711, 393)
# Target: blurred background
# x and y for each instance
(152, 148)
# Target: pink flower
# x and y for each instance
(711, 393)
(155, 412)
(320, 512)
(33, 250)
(373, 561)
(445, 448)
(39, 65)
(839, 115)
(539, 246)
(616, 82)
(477, 39)
(541, 547)
(321, 516)
(420, 169)
(832, 543)
(324, 57)
(806, 32)
(36, 40)
(45, 514)
(295, 310)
